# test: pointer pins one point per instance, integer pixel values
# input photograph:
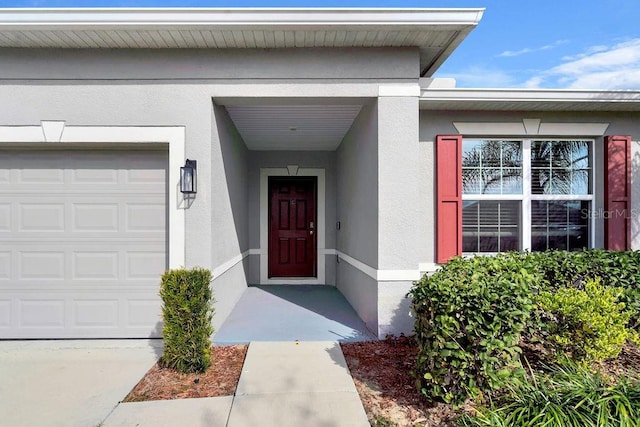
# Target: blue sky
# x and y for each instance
(573, 44)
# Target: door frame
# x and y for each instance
(292, 171)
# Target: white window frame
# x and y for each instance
(526, 197)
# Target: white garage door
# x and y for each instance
(82, 243)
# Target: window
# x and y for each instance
(528, 194)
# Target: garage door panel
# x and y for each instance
(43, 217)
(95, 313)
(41, 265)
(144, 265)
(61, 265)
(5, 265)
(95, 266)
(42, 313)
(45, 175)
(82, 243)
(95, 217)
(81, 315)
(94, 176)
(144, 176)
(5, 217)
(5, 313)
(130, 218)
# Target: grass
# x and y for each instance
(566, 396)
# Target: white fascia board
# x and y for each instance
(530, 95)
(229, 18)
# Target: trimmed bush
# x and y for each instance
(589, 324)
(569, 396)
(469, 316)
(572, 269)
(187, 310)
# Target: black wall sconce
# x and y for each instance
(189, 177)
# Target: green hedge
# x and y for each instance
(187, 312)
(573, 269)
(471, 313)
(469, 316)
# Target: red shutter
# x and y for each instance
(617, 193)
(448, 197)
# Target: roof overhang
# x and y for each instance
(461, 99)
(435, 32)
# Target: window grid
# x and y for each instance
(527, 197)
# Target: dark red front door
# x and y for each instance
(292, 227)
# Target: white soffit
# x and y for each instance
(436, 32)
(461, 99)
(293, 127)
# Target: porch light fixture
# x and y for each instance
(188, 177)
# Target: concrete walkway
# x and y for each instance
(282, 384)
(69, 383)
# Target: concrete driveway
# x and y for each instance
(69, 383)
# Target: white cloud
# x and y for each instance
(476, 76)
(511, 53)
(599, 67)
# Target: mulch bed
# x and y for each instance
(381, 371)
(221, 379)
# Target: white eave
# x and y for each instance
(460, 99)
(435, 32)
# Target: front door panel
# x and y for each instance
(292, 227)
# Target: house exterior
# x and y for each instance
(326, 154)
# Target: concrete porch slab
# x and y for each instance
(290, 313)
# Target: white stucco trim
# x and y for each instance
(265, 173)
(428, 267)
(380, 275)
(399, 90)
(228, 265)
(530, 127)
(173, 136)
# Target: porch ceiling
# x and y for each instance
(293, 127)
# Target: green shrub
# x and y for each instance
(569, 396)
(588, 324)
(572, 269)
(469, 316)
(187, 311)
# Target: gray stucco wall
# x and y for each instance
(398, 168)
(357, 192)
(434, 123)
(357, 211)
(229, 222)
(202, 64)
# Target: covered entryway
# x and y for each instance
(83, 242)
